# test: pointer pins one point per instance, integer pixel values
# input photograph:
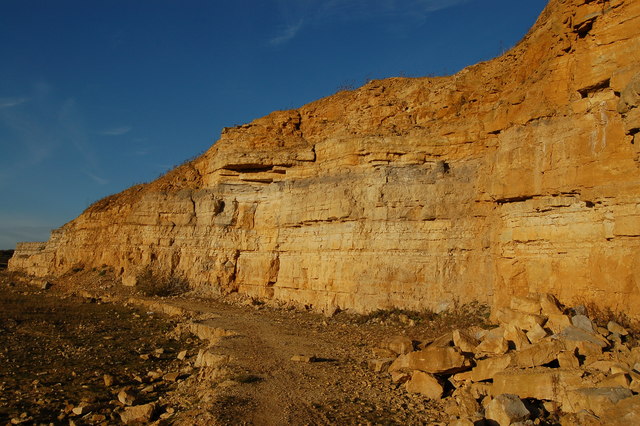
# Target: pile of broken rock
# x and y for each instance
(541, 361)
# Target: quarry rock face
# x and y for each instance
(515, 176)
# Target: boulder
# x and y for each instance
(540, 354)
(493, 345)
(400, 363)
(557, 322)
(424, 384)
(539, 382)
(438, 360)
(379, 365)
(108, 380)
(509, 316)
(126, 397)
(536, 334)
(597, 400)
(398, 344)
(485, 369)
(383, 353)
(442, 341)
(138, 413)
(515, 335)
(506, 409)
(567, 359)
(614, 327)
(576, 335)
(400, 376)
(583, 322)
(549, 305)
(464, 341)
(617, 380)
(624, 413)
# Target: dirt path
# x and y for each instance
(270, 388)
(62, 346)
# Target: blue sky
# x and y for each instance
(96, 96)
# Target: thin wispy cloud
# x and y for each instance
(11, 102)
(99, 180)
(288, 34)
(315, 12)
(117, 131)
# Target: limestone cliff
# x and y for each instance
(516, 175)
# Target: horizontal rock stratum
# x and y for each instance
(514, 176)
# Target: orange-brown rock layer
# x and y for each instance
(513, 176)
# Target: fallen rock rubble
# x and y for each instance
(541, 360)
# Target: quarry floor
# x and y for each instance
(57, 344)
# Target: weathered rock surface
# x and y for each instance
(516, 175)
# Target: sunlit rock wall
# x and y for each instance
(516, 175)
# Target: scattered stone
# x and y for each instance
(438, 360)
(506, 409)
(614, 327)
(400, 377)
(126, 397)
(424, 384)
(82, 409)
(138, 413)
(155, 375)
(398, 344)
(303, 358)
(208, 359)
(109, 380)
(466, 404)
(443, 341)
(401, 363)
(172, 377)
(182, 355)
(383, 353)
(210, 333)
(379, 365)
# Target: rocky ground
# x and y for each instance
(106, 354)
(252, 363)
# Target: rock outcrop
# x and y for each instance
(514, 176)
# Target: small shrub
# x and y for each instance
(151, 283)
